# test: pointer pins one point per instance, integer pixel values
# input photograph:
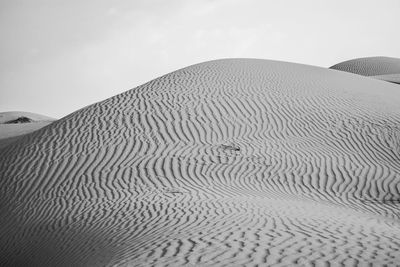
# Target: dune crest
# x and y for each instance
(224, 163)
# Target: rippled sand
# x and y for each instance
(224, 163)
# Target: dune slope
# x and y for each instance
(381, 68)
(224, 163)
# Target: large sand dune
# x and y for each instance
(225, 163)
(381, 68)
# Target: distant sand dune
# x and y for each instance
(382, 68)
(224, 163)
(14, 124)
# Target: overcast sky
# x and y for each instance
(58, 56)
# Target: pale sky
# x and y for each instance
(59, 56)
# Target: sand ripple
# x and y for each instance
(225, 163)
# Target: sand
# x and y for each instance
(381, 68)
(225, 163)
(12, 127)
(13, 115)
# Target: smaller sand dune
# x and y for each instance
(381, 68)
(6, 117)
(15, 124)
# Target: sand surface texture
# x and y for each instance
(382, 68)
(224, 163)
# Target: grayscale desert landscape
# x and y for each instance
(228, 162)
(199, 133)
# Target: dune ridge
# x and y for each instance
(225, 163)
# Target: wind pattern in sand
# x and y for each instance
(225, 163)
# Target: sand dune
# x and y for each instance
(381, 68)
(224, 163)
(7, 117)
(14, 124)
